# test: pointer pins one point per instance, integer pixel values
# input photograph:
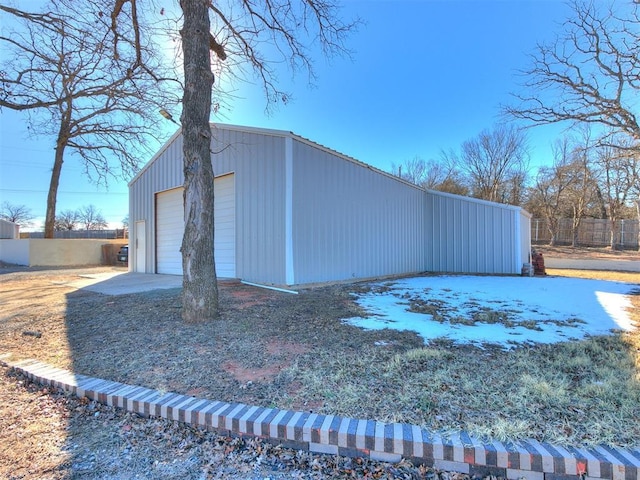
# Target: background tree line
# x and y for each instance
(586, 78)
(586, 178)
(90, 75)
(87, 217)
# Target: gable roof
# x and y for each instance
(289, 134)
(276, 133)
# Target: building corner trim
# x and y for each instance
(288, 155)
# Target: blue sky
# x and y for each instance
(425, 76)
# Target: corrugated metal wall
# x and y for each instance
(258, 161)
(9, 230)
(306, 214)
(465, 235)
(162, 173)
(525, 236)
(351, 221)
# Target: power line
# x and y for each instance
(22, 149)
(13, 190)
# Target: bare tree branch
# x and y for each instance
(20, 214)
(590, 74)
(90, 100)
(495, 164)
(243, 35)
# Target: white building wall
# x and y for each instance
(162, 173)
(351, 221)
(257, 159)
(9, 230)
(307, 214)
(466, 235)
(56, 252)
(525, 236)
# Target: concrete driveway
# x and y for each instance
(592, 264)
(120, 283)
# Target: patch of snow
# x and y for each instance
(498, 310)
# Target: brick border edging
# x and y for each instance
(330, 434)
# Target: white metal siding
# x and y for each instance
(466, 235)
(350, 221)
(162, 173)
(304, 213)
(257, 159)
(525, 236)
(258, 163)
(170, 229)
(225, 227)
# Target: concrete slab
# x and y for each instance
(121, 283)
(592, 264)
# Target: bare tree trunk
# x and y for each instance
(199, 285)
(553, 228)
(553, 233)
(601, 203)
(50, 217)
(638, 209)
(613, 224)
(574, 235)
(576, 220)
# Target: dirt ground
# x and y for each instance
(237, 358)
(272, 348)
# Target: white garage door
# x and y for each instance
(224, 209)
(170, 227)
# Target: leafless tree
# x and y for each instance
(568, 188)
(415, 171)
(549, 187)
(495, 164)
(67, 220)
(20, 214)
(91, 218)
(618, 174)
(590, 74)
(431, 174)
(251, 39)
(583, 189)
(95, 101)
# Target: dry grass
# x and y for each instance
(577, 393)
(611, 276)
(274, 349)
(603, 253)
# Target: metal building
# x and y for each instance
(289, 211)
(9, 230)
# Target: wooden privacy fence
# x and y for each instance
(593, 232)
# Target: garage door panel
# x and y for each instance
(169, 231)
(170, 228)
(224, 209)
